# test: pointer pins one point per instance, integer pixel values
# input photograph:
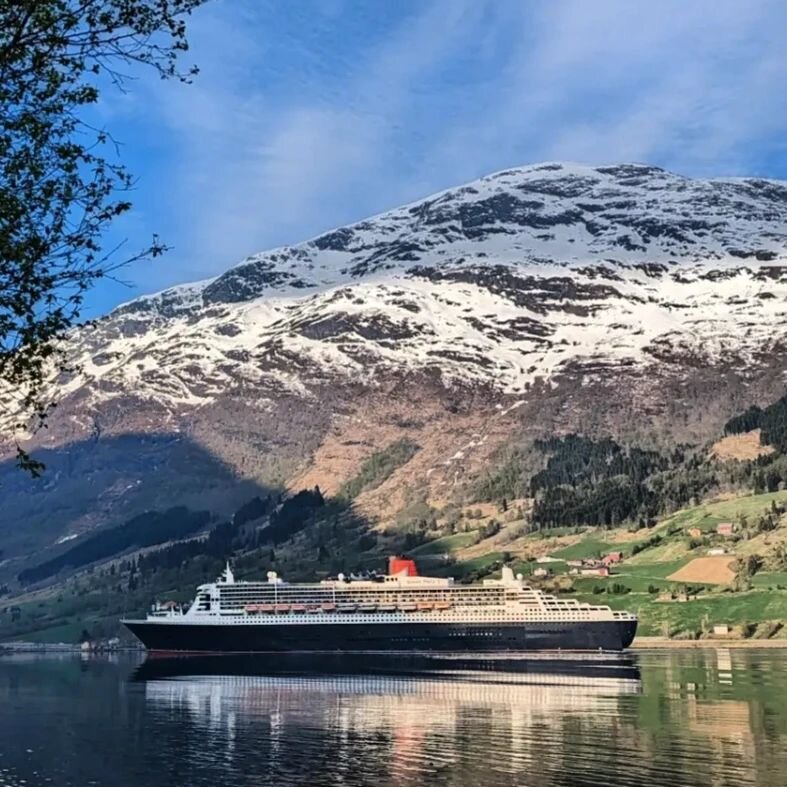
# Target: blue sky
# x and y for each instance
(309, 114)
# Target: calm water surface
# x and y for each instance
(664, 718)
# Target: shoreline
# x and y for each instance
(661, 643)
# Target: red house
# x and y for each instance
(612, 558)
(724, 528)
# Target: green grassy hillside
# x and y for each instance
(753, 605)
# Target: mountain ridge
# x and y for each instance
(535, 301)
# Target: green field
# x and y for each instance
(446, 544)
(637, 578)
(476, 564)
(656, 618)
(587, 548)
(96, 602)
(65, 632)
(725, 510)
(770, 579)
(648, 571)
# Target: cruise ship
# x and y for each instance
(397, 611)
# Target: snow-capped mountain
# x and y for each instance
(626, 279)
(500, 281)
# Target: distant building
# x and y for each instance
(611, 558)
(541, 572)
(695, 532)
(594, 571)
(717, 551)
(575, 563)
(721, 629)
(725, 528)
(547, 559)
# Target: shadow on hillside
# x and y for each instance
(94, 483)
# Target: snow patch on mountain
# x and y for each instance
(517, 276)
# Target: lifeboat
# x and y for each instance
(298, 608)
(367, 608)
(441, 605)
(387, 608)
(348, 607)
(252, 608)
(425, 606)
(329, 607)
(408, 607)
(312, 608)
(266, 608)
(282, 608)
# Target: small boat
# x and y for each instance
(312, 608)
(298, 608)
(266, 608)
(442, 605)
(348, 608)
(425, 606)
(252, 608)
(329, 607)
(282, 608)
(408, 607)
(386, 608)
(367, 608)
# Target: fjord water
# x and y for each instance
(694, 717)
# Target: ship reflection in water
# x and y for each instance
(394, 720)
(704, 718)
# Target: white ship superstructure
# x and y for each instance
(398, 610)
(402, 596)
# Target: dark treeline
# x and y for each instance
(577, 460)
(607, 503)
(772, 421)
(256, 508)
(600, 482)
(284, 520)
(769, 473)
(144, 530)
(293, 515)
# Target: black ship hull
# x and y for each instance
(168, 637)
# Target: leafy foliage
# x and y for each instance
(60, 183)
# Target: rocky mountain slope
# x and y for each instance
(620, 300)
